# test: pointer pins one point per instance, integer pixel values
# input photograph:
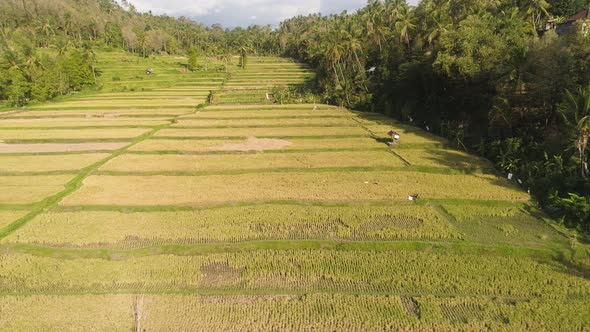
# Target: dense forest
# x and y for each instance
(487, 74)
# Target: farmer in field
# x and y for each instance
(394, 136)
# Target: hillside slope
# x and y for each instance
(133, 209)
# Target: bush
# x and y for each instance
(193, 56)
(575, 210)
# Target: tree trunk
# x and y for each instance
(345, 83)
(582, 145)
(336, 73)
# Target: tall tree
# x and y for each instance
(576, 113)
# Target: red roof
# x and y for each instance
(584, 14)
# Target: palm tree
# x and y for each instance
(226, 58)
(535, 10)
(244, 48)
(45, 29)
(395, 9)
(90, 57)
(576, 113)
(442, 23)
(352, 44)
(62, 44)
(404, 26)
(375, 29)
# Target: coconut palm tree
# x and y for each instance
(441, 24)
(395, 9)
(535, 10)
(45, 29)
(404, 26)
(372, 18)
(244, 47)
(576, 113)
(90, 57)
(226, 59)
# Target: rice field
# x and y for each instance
(286, 312)
(101, 114)
(49, 163)
(136, 229)
(51, 123)
(400, 271)
(221, 163)
(510, 225)
(263, 132)
(406, 136)
(68, 134)
(142, 207)
(128, 102)
(239, 144)
(59, 147)
(296, 122)
(289, 185)
(276, 113)
(254, 84)
(25, 189)
(7, 217)
(444, 158)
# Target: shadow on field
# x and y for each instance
(569, 266)
(383, 120)
(456, 160)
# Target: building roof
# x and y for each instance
(584, 14)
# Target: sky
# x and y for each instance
(232, 13)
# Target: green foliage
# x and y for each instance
(575, 209)
(18, 88)
(29, 76)
(77, 71)
(193, 56)
(473, 49)
(243, 59)
(568, 8)
(294, 95)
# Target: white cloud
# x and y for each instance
(245, 12)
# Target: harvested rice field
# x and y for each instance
(141, 207)
(25, 189)
(296, 122)
(277, 113)
(264, 132)
(65, 134)
(57, 148)
(253, 144)
(331, 185)
(129, 102)
(7, 217)
(80, 123)
(49, 163)
(101, 113)
(220, 163)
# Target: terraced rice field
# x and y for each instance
(134, 209)
(253, 84)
